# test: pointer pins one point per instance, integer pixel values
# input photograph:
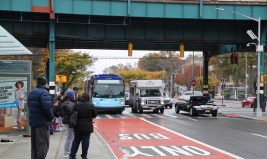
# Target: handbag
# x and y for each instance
(73, 119)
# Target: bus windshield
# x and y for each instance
(108, 91)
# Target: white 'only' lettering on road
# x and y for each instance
(165, 151)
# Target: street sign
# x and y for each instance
(193, 82)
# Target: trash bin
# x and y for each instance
(263, 104)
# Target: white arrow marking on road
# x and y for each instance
(259, 135)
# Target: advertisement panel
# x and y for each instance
(15, 83)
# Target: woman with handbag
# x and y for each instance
(84, 127)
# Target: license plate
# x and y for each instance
(153, 108)
(207, 111)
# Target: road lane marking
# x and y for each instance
(148, 116)
(259, 135)
(173, 116)
(109, 116)
(199, 142)
(158, 115)
(138, 138)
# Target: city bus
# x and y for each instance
(107, 92)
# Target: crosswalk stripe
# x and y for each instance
(158, 115)
(173, 116)
(148, 116)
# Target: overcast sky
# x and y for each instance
(101, 64)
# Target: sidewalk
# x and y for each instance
(20, 148)
(234, 109)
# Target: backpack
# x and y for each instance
(73, 119)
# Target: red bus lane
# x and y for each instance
(134, 138)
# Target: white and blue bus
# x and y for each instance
(107, 92)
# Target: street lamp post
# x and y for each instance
(259, 49)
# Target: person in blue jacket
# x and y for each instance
(40, 118)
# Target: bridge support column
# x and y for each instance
(51, 45)
(262, 69)
(206, 58)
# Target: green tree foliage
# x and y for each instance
(120, 67)
(223, 69)
(74, 66)
(158, 61)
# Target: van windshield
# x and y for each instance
(150, 93)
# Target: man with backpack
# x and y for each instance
(65, 112)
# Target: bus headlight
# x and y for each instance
(122, 101)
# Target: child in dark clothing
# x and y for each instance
(56, 107)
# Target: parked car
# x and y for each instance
(197, 105)
(248, 102)
(167, 101)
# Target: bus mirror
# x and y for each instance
(164, 93)
(137, 94)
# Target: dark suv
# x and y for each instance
(197, 105)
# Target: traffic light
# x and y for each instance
(232, 59)
(182, 50)
(130, 49)
(236, 58)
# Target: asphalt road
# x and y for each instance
(242, 137)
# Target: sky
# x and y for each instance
(101, 63)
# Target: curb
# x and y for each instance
(233, 115)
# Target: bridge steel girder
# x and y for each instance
(142, 8)
(115, 32)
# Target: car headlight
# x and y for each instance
(94, 103)
(162, 101)
(197, 107)
(142, 102)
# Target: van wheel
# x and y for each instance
(140, 110)
(177, 110)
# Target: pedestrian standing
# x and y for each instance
(77, 95)
(65, 111)
(84, 127)
(40, 118)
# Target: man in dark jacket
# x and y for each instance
(40, 118)
(84, 127)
